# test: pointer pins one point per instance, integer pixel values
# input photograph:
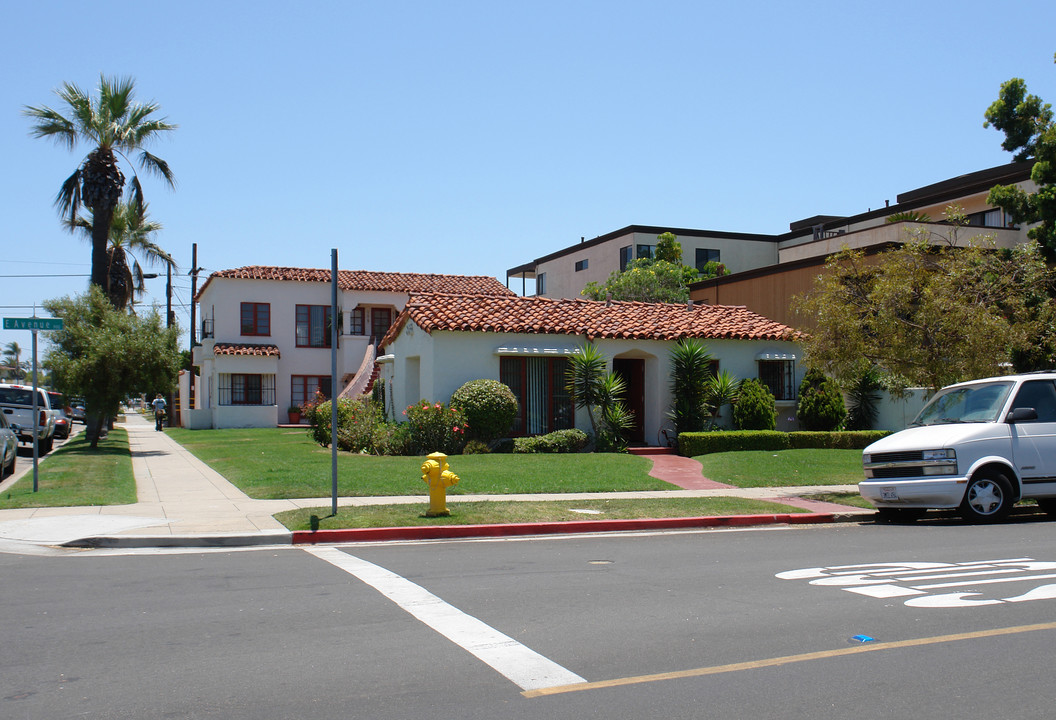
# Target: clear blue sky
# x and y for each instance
(470, 137)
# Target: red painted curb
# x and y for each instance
(434, 532)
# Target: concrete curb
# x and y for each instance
(265, 537)
(441, 532)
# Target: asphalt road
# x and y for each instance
(939, 620)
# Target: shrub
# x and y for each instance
(476, 447)
(702, 443)
(690, 372)
(845, 440)
(393, 439)
(755, 408)
(435, 428)
(489, 408)
(319, 418)
(559, 441)
(862, 400)
(820, 405)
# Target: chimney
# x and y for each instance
(608, 299)
(689, 305)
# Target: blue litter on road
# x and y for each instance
(863, 638)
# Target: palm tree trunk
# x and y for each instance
(101, 219)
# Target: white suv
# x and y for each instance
(977, 446)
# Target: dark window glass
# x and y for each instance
(313, 326)
(625, 257)
(1040, 395)
(256, 318)
(380, 322)
(778, 375)
(247, 389)
(357, 321)
(539, 386)
(704, 256)
(581, 265)
(304, 387)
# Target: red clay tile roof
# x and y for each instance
(589, 318)
(368, 281)
(222, 348)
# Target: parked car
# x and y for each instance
(978, 446)
(8, 448)
(16, 402)
(63, 423)
(77, 410)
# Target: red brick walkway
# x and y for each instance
(685, 472)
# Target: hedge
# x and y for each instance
(702, 443)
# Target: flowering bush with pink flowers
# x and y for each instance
(436, 428)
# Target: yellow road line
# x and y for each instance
(787, 659)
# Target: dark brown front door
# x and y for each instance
(633, 373)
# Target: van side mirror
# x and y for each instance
(1021, 414)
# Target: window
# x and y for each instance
(304, 387)
(539, 385)
(256, 318)
(313, 326)
(646, 251)
(247, 389)
(380, 322)
(990, 218)
(540, 284)
(1040, 395)
(625, 257)
(704, 256)
(779, 376)
(357, 322)
(581, 265)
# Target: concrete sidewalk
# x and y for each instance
(182, 501)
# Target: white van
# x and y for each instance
(978, 446)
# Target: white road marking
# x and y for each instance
(521, 665)
(892, 580)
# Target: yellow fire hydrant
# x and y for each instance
(439, 478)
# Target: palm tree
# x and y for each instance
(115, 125)
(13, 355)
(131, 231)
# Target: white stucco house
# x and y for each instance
(265, 336)
(440, 341)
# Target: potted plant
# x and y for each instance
(294, 413)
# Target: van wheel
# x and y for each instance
(988, 497)
(1047, 505)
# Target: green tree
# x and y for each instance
(668, 248)
(601, 394)
(105, 355)
(13, 355)
(820, 405)
(1030, 133)
(755, 408)
(690, 375)
(114, 124)
(928, 315)
(132, 233)
(644, 280)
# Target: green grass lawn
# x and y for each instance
(852, 499)
(486, 513)
(75, 475)
(277, 463)
(784, 468)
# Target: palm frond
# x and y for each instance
(68, 201)
(158, 167)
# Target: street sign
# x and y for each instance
(33, 323)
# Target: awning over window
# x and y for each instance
(775, 356)
(558, 351)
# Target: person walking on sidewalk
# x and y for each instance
(159, 411)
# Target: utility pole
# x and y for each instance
(194, 317)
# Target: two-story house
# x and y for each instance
(266, 340)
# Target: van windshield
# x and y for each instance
(970, 403)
